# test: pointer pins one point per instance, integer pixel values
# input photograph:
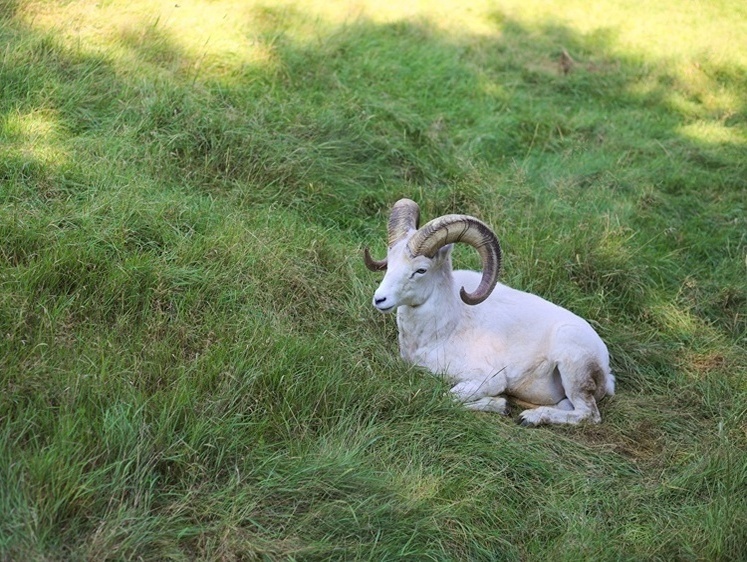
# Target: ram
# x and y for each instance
(491, 342)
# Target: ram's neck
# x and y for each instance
(423, 328)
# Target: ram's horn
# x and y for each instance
(372, 264)
(462, 228)
(405, 216)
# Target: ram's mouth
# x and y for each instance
(387, 309)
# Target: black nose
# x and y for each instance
(380, 300)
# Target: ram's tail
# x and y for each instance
(610, 383)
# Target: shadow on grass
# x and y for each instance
(403, 97)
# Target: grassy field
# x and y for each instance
(191, 368)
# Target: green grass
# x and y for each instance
(191, 368)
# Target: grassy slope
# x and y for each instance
(190, 366)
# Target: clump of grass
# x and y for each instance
(189, 362)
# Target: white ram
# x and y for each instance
(489, 340)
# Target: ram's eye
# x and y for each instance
(421, 271)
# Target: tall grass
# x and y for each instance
(189, 362)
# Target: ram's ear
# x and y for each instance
(444, 253)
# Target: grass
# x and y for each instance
(190, 365)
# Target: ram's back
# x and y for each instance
(514, 323)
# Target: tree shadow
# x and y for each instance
(510, 95)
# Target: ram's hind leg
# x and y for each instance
(580, 384)
(586, 411)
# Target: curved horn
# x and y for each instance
(405, 216)
(372, 264)
(462, 228)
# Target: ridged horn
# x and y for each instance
(450, 229)
(405, 216)
(372, 264)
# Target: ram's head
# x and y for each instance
(417, 257)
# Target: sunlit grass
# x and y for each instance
(649, 29)
(715, 133)
(229, 27)
(33, 137)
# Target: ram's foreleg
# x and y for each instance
(496, 404)
(482, 395)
